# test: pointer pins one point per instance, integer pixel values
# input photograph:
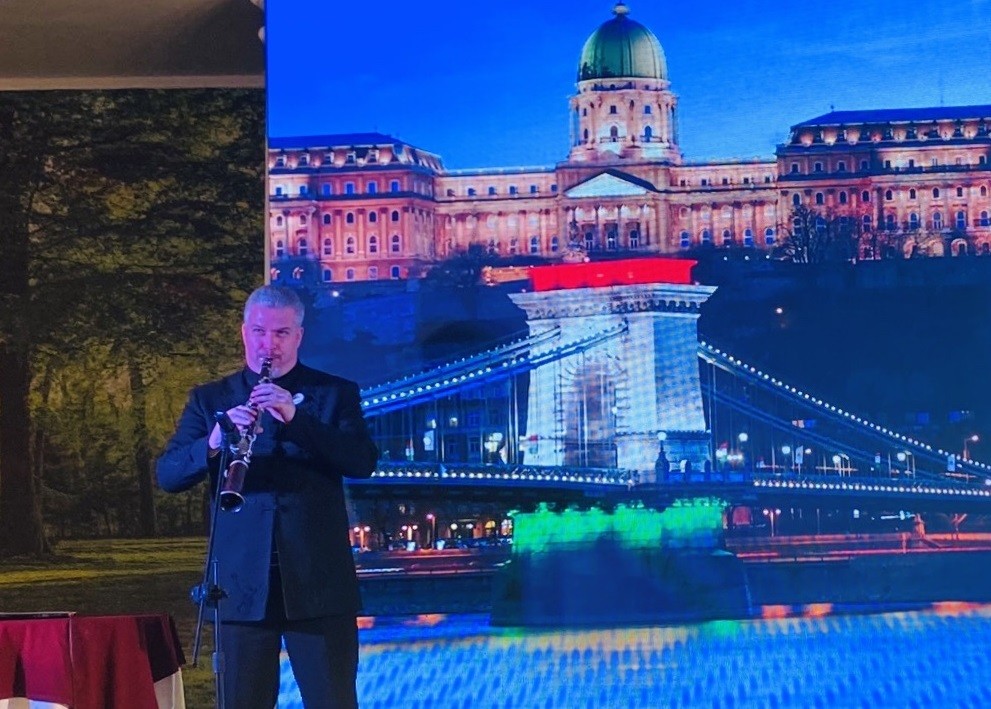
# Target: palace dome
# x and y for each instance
(622, 48)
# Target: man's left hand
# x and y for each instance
(274, 399)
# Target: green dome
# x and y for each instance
(622, 48)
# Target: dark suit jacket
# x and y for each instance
(294, 493)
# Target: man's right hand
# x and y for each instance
(241, 416)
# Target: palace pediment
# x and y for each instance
(611, 184)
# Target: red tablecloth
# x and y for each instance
(100, 662)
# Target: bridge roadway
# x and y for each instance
(522, 483)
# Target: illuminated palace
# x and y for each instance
(368, 206)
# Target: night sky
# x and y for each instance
(486, 83)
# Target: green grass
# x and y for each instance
(119, 576)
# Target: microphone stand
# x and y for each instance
(208, 592)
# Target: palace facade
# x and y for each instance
(367, 206)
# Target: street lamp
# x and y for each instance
(433, 528)
(786, 452)
(772, 514)
(902, 456)
(969, 439)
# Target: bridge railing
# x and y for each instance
(974, 472)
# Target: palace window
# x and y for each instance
(555, 244)
(303, 247)
(648, 133)
(887, 164)
(820, 198)
(796, 199)
(843, 197)
(704, 182)
(372, 188)
(302, 219)
(865, 196)
(867, 222)
(725, 180)
(614, 132)
(373, 217)
(937, 220)
(959, 191)
(961, 220)
(280, 161)
(349, 245)
(326, 190)
(514, 245)
(373, 244)
(585, 135)
(864, 166)
(328, 275)
(373, 273)
(841, 166)
(589, 241)
(984, 191)
(911, 162)
(349, 218)
(534, 244)
(706, 236)
(395, 215)
(889, 222)
(554, 189)
(280, 249)
(348, 188)
(471, 191)
(278, 221)
(646, 110)
(613, 110)
(328, 247)
(394, 273)
(769, 236)
(492, 190)
(794, 168)
(304, 160)
(767, 179)
(686, 240)
(325, 219)
(935, 192)
(913, 221)
(817, 167)
(911, 194)
(394, 186)
(279, 189)
(512, 189)
(349, 274)
(533, 189)
(396, 244)
(984, 219)
(889, 195)
(634, 239)
(727, 237)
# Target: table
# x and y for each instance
(90, 662)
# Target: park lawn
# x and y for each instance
(119, 576)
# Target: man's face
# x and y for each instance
(271, 332)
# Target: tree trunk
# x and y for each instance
(21, 528)
(147, 522)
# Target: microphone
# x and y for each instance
(227, 427)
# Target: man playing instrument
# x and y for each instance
(284, 557)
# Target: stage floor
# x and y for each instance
(812, 657)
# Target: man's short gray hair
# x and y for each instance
(275, 297)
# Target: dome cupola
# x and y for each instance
(622, 48)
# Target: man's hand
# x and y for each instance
(241, 416)
(274, 399)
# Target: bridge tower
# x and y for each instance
(633, 401)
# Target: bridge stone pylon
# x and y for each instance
(609, 405)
